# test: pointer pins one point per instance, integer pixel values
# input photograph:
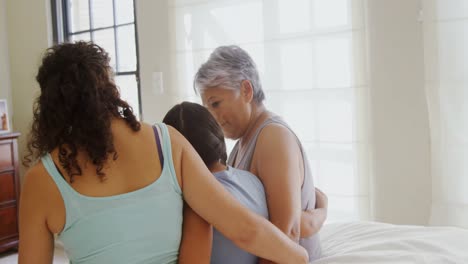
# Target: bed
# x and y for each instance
(371, 242)
(377, 243)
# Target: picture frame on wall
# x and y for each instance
(4, 118)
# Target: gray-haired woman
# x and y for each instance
(230, 88)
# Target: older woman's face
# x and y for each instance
(230, 109)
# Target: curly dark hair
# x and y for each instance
(200, 128)
(74, 110)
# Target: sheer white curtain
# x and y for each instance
(311, 58)
(446, 59)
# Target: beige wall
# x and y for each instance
(401, 190)
(154, 50)
(5, 88)
(28, 36)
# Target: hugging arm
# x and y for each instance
(208, 198)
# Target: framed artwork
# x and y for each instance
(4, 124)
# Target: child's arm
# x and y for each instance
(197, 238)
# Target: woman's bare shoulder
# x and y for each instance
(273, 140)
(38, 184)
(275, 134)
(36, 174)
(178, 141)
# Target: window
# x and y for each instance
(311, 59)
(111, 25)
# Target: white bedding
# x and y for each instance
(371, 242)
(378, 243)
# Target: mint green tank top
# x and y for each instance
(143, 226)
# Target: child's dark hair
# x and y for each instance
(74, 110)
(200, 128)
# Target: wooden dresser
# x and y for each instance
(9, 191)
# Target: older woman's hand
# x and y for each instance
(312, 220)
(321, 199)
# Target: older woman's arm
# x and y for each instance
(278, 163)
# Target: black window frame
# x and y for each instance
(62, 33)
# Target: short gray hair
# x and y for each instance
(229, 66)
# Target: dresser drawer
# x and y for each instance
(8, 222)
(7, 187)
(6, 155)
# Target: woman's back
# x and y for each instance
(134, 217)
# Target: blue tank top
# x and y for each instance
(249, 191)
(142, 226)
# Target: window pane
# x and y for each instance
(126, 48)
(105, 39)
(294, 16)
(297, 66)
(79, 15)
(103, 13)
(331, 13)
(333, 56)
(331, 172)
(217, 23)
(336, 120)
(128, 88)
(83, 36)
(124, 11)
(187, 64)
(293, 112)
(226, 17)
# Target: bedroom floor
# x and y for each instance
(11, 257)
